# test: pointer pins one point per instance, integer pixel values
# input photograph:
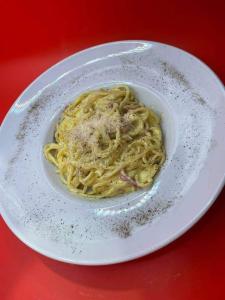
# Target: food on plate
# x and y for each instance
(107, 143)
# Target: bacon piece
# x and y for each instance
(125, 177)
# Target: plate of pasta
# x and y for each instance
(113, 152)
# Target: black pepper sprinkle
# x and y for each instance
(31, 117)
(175, 74)
(124, 228)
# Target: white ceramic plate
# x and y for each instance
(46, 217)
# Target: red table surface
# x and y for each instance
(37, 34)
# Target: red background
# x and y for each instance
(35, 35)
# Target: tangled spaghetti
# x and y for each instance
(107, 143)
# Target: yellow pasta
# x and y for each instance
(107, 143)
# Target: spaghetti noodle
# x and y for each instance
(107, 143)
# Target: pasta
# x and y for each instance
(107, 143)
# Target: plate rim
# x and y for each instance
(147, 251)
